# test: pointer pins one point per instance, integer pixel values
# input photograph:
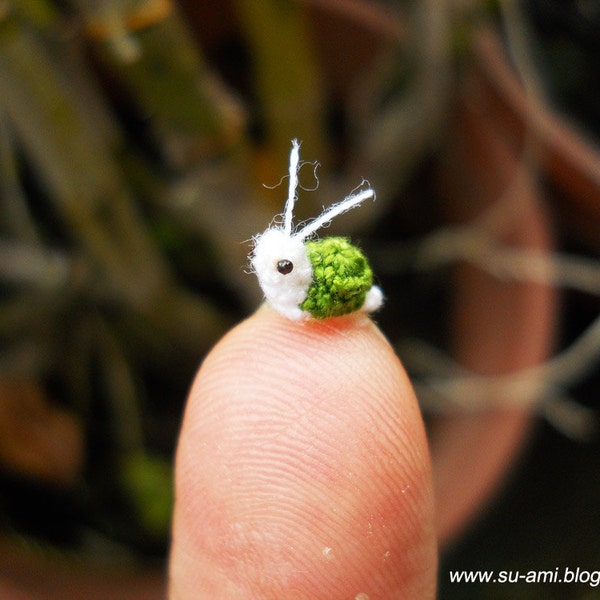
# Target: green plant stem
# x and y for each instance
(87, 191)
(166, 76)
(16, 217)
(40, 13)
(288, 83)
(122, 393)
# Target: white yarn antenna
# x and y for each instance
(348, 203)
(345, 205)
(289, 205)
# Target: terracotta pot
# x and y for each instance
(502, 327)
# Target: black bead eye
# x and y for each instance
(285, 266)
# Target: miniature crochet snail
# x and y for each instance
(317, 278)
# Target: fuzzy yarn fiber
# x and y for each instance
(341, 278)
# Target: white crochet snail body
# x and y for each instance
(319, 278)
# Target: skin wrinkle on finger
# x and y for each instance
(305, 388)
(283, 456)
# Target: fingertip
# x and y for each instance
(302, 468)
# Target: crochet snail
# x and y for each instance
(303, 278)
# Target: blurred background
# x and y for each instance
(136, 141)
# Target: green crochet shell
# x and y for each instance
(341, 278)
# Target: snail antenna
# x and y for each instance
(348, 203)
(293, 185)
